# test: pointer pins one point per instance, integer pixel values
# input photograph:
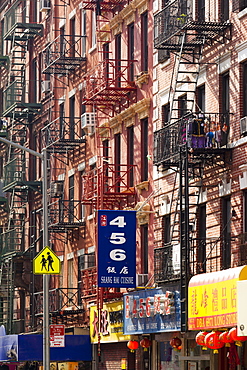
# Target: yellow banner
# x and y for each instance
(110, 324)
(213, 305)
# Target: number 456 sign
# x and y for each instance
(117, 249)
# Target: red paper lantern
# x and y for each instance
(175, 342)
(200, 339)
(145, 343)
(212, 341)
(132, 345)
(235, 338)
(225, 338)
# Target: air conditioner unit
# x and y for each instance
(56, 189)
(141, 280)
(243, 125)
(44, 5)
(45, 86)
(87, 121)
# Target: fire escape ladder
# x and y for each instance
(7, 293)
(184, 79)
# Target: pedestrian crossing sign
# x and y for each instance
(46, 262)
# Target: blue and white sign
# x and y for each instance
(152, 311)
(116, 249)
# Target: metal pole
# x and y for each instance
(43, 157)
(46, 342)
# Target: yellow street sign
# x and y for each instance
(46, 262)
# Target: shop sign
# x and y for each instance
(212, 299)
(109, 325)
(152, 311)
(117, 249)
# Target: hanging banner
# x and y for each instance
(116, 249)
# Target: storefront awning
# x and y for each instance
(30, 348)
(212, 299)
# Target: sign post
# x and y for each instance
(43, 157)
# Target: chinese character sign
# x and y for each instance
(117, 249)
(213, 305)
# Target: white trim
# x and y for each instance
(224, 63)
(72, 14)
(72, 92)
(70, 256)
(242, 13)
(81, 166)
(71, 172)
(242, 51)
(91, 249)
(80, 252)
(61, 177)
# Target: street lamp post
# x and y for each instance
(43, 157)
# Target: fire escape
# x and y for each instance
(107, 90)
(63, 139)
(183, 144)
(19, 111)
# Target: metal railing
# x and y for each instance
(198, 131)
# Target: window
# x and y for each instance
(61, 275)
(242, 4)
(117, 160)
(72, 37)
(144, 42)
(130, 154)
(226, 232)
(34, 81)
(62, 41)
(106, 52)
(86, 261)
(182, 106)
(200, 95)
(201, 10)
(225, 105)
(61, 120)
(93, 30)
(71, 198)
(118, 54)
(224, 10)
(83, 32)
(72, 118)
(144, 249)
(244, 94)
(144, 149)
(131, 55)
(201, 253)
(70, 276)
(165, 114)
(106, 161)
(166, 227)
(83, 207)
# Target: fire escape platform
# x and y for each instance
(105, 6)
(22, 186)
(64, 65)
(24, 31)
(21, 109)
(63, 55)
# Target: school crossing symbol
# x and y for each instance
(46, 262)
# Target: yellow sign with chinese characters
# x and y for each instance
(46, 262)
(212, 299)
(110, 326)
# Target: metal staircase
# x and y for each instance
(184, 33)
